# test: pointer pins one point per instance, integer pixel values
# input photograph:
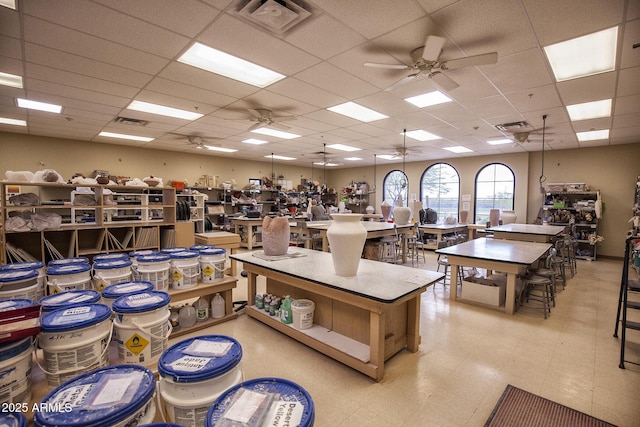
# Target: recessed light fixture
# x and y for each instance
(11, 80)
(428, 99)
(276, 133)
(387, 156)
(343, 147)
(147, 107)
(353, 159)
(221, 149)
(421, 135)
(584, 56)
(40, 106)
(326, 164)
(15, 122)
(593, 135)
(125, 136)
(357, 111)
(11, 4)
(458, 149)
(222, 63)
(277, 157)
(590, 110)
(255, 141)
(500, 141)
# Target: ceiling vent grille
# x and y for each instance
(130, 121)
(276, 16)
(513, 127)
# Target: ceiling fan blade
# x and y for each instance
(388, 66)
(255, 126)
(470, 61)
(279, 126)
(259, 113)
(444, 81)
(432, 48)
(402, 81)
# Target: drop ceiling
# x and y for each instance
(95, 57)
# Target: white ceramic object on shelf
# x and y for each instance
(401, 215)
(346, 237)
(508, 217)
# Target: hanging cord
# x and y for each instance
(543, 178)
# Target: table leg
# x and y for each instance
(376, 342)
(413, 324)
(251, 287)
(510, 298)
(453, 282)
(325, 241)
(249, 229)
(234, 263)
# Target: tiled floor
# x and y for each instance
(467, 357)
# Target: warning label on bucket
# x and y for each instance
(136, 344)
(208, 270)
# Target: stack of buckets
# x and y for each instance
(24, 290)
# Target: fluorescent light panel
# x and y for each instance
(11, 80)
(15, 122)
(428, 99)
(500, 141)
(221, 149)
(276, 133)
(421, 135)
(353, 159)
(277, 157)
(584, 56)
(593, 135)
(326, 164)
(387, 156)
(40, 106)
(358, 112)
(125, 136)
(458, 149)
(343, 147)
(222, 63)
(11, 4)
(147, 107)
(255, 141)
(589, 110)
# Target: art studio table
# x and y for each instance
(527, 232)
(441, 230)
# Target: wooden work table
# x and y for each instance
(440, 230)
(527, 232)
(361, 320)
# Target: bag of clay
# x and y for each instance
(25, 199)
(276, 234)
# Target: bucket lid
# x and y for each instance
(302, 304)
(68, 299)
(63, 269)
(14, 304)
(110, 264)
(13, 419)
(213, 251)
(32, 265)
(200, 358)
(142, 252)
(110, 257)
(154, 258)
(172, 250)
(288, 391)
(184, 255)
(90, 400)
(15, 275)
(14, 348)
(140, 302)
(126, 288)
(66, 261)
(200, 247)
(160, 425)
(70, 318)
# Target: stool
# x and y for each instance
(539, 289)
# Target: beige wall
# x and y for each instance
(612, 170)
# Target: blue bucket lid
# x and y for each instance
(138, 303)
(91, 410)
(126, 288)
(142, 252)
(154, 258)
(288, 390)
(63, 269)
(15, 275)
(184, 255)
(14, 304)
(172, 250)
(32, 265)
(110, 264)
(14, 348)
(68, 299)
(110, 257)
(70, 318)
(160, 425)
(13, 419)
(213, 251)
(216, 355)
(200, 247)
(66, 261)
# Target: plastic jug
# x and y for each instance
(217, 307)
(202, 309)
(187, 316)
(286, 314)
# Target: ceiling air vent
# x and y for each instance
(277, 16)
(130, 121)
(513, 127)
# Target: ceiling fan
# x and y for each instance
(263, 117)
(399, 152)
(196, 141)
(426, 60)
(520, 138)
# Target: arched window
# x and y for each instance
(395, 184)
(440, 189)
(495, 185)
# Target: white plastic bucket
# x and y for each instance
(74, 340)
(29, 265)
(68, 299)
(212, 264)
(302, 310)
(106, 273)
(67, 261)
(200, 247)
(133, 256)
(113, 396)
(117, 290)
(19, 284)
(142, 326)
(64, 277)
(110, 257)
(13, 419)
(154, 269)
(194, 372)
(185, 269)
(15, 371)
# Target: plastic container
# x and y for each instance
(15, 371)
(106, 273)
(212, 264)
(286, 313)
(74, 340)
(67, 261)
(142, 326)
(187, 316)
(117, 290)
(133, 256)
(68, 299)
(154, 269)
(12, 419)
(282, 398)
(200, 247)
(65, 277)
(171, 251)
(202, 309)
(113, 396)
(30, 265)
(185, 269)
(217, 307)
(19, 284)
(110, 257)
(303, 310)
(194, 372)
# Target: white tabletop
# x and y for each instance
(375, 280)
(443, 227)
(368, 225)
(546, 230)
(508, 251)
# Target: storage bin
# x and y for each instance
(484, 291)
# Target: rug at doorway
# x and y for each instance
(519, 408)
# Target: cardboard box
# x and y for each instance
(484, 291)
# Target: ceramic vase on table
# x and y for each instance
(508, 217)
(275, 235)
(386, 211)
(494, 217)
(346, 237)
(401, 215)
(464, 216)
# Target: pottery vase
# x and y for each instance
(275, 235)
(509, 217)
(464, 216)
(401, 215)
(346, 237)
(370, 209)
(386, 211)
(494, 217)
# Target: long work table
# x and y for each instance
(527, 232)
(361, 320)
(440, 230)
